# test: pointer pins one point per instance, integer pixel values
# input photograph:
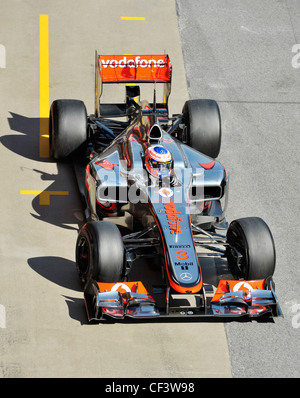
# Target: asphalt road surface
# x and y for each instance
(240, 53)
(237, 52)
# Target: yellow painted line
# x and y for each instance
(133, 18)
(44, 196)
(44, 87)
(31, 192)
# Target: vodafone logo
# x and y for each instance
(242, 286)
(166, 192)
(120, 287)
(132, 63)
(173, 219)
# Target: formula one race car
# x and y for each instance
(153, 191)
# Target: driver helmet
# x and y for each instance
(158, 161)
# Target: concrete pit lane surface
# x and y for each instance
(44, 330)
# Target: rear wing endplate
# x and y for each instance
(155, 68)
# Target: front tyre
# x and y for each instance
(100, 253)
(251, 248)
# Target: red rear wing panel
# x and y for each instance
(135, 68)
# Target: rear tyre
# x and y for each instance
(67, 127)
(203, 121)
(100, 252)
(251, 248)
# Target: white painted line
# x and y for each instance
(2, 317)
(2, 56)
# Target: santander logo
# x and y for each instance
(133, 63)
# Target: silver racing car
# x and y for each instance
(154, 200)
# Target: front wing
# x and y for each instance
(231, 298)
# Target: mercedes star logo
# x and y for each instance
(186, 276)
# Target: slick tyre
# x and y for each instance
(100, 253)
(252, 239)
(67, 127)
(203, 122)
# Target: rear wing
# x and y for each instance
(132, 69)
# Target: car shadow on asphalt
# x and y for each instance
(59, 204)
(57, 270)
(26, 142)
(76, 309)
(63, 273)
(63, 206)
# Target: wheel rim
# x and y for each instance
(237, 242)
(83, 255)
